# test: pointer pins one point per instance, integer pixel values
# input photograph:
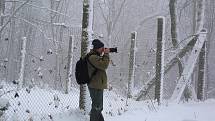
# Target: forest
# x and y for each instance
(165, 54)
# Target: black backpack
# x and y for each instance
(81, 70)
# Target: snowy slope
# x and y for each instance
(203, 111)
(48, 105)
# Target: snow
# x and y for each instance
(59, 24)
(187, 72)
(194, 111)
(173, 112)
(90, 25)
(4, 102)
(49, 105)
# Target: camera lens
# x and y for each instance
(113, 50)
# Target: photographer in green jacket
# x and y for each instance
(99, 59)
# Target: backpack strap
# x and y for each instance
(87, 57)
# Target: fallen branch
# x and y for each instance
(179, 53)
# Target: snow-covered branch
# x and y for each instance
(188, 70)
(186, 46)
(13, 14)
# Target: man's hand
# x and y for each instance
(106, 50)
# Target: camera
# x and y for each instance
(113, 50)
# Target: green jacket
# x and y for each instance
(99, 80)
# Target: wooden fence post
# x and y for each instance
(69, 65)
(160, 59)
(22, 68)
(132, 64)
(202, 73)
(189, 68)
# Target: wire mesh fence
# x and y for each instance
(43, 94)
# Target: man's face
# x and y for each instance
(100, 50)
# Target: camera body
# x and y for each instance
(113, 50)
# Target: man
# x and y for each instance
(99, 61)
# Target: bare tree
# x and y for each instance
(174, 21)
(58, 28)
(200, 15)
(12, 53)
(14, 11)
(202, 57)
(111, 12)
(11, 65)
(85, 44)
(175, 40)
(2, 9)
(54, 19)
(209, 23)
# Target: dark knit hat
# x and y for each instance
(97, 44)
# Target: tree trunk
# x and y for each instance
(112, 17)
(174, 18)
(11, 65)
(194, 15)
(174, 30)
(175, 42)
(60, 56)
(53, 20)
(85, 45)
(2, 9)
(209, 17)
(202, 57)
(200, 15)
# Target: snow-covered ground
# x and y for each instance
(47, 105)
(203, 111)
(193, 111)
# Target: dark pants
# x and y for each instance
(97, 104)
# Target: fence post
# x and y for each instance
(202, 73)
(188, 70)
(21, 72)
(160, 60)
(69, 65)
(132, 64)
